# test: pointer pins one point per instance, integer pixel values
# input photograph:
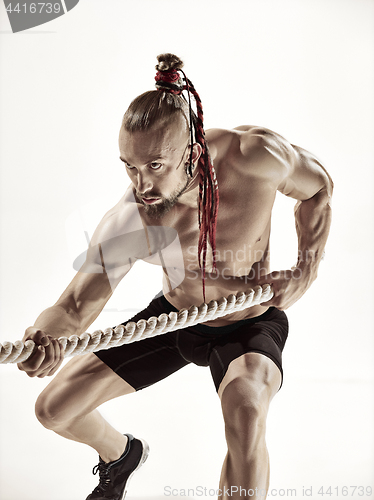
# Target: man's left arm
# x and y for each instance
(307, 181)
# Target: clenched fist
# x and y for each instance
(47, 356)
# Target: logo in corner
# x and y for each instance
(27, 14)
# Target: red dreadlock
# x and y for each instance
(169, 80)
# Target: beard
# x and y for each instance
(164, 205)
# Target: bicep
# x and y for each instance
(306, 176)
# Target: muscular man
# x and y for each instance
(169, 216)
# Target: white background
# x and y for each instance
(303, 68)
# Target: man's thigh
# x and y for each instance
(145, 362)
(264, 338)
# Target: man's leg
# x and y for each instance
(246, 390)
(68, 405)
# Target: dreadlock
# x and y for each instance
(208, 190)
(151, 106)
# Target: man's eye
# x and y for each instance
(155, 166)
(128, 166)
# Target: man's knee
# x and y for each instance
(50, 410)
(244, 406)
(246, 392)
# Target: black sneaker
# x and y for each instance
(115, 476)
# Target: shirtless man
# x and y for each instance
(242, 349)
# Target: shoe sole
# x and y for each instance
(143, 458)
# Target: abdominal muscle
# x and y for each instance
(217, 285)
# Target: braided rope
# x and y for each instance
(132, 332)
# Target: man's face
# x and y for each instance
(156, 164)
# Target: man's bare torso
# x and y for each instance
(247, 194)
(243, 231)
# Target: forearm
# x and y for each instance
(313, 220)
(57, 322)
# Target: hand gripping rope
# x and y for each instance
(132, 332)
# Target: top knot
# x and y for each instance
(167, 77)
(168, 62)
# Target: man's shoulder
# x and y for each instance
(122, 218)
(250, 149)
(244, 138)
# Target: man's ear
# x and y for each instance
(196, 151)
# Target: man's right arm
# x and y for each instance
(119, 240)
(83, 299)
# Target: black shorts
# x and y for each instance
(148, 361)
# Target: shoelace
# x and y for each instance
(103, 469)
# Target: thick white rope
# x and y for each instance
(132, 332)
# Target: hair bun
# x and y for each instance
(168, 62)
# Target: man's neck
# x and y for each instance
(189, 196)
